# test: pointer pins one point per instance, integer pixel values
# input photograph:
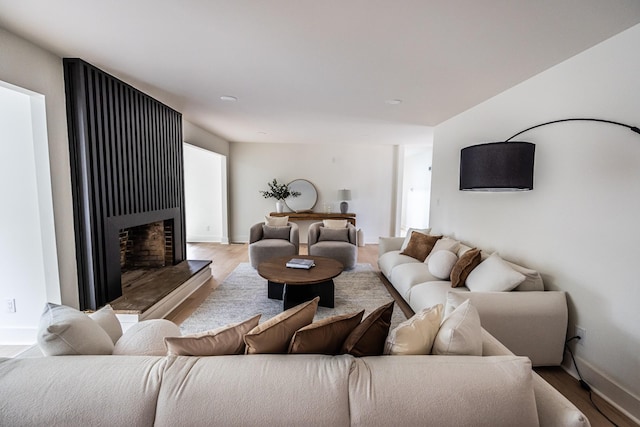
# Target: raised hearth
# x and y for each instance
(152, 293)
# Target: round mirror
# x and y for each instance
(307, 198)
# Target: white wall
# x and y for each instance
(28, 66)
(367, 170)
(27, 253)
(205, 195)
(579, 226)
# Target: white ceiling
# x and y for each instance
(320, 71)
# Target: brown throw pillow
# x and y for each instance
(221, 341)
(274, 335)
(369, 337)
(420, 245)
(467, 262)
(325, 336)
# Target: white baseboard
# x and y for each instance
(18, 336)
(205, 238)
(605, 387)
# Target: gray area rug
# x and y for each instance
(244, 294)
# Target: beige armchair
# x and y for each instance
(334, 243)
(266, 242)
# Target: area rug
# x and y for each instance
(244, 294)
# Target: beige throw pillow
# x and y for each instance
(334, 223)
(415, 335)
(460, 333)
(274, 335)
(325, 336)
(218, 342)
(276, 221)
(107, 319)
(66, 331)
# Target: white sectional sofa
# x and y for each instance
(528, 320)
(496, 389)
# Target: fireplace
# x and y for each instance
(126, 171)
(146, 246)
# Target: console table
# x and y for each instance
(316, 216)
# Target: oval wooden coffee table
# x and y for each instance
(297, 285)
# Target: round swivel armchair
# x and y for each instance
(337, 243)
(266, 242)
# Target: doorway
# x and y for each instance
(205, 193)
(28, 256)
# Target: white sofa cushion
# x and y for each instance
(416, 334)
(66, 331)
(391, 259)
(441, 263)
(460, 333)
(405, 276)
(444, 244)
(455, 391)
(256, 390)
(80, 391)
(276, 221)
(146, 338)
(493, 275)
(430, 293)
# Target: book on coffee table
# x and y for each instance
(300, 263)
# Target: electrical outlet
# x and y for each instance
(10, 305)
(582, 333)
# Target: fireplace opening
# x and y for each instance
(146, 246)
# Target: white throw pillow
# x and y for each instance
(460, 333)
(334, 223)
(107, 319)
(415, 335)
(66, 331)
(276, 221)
(408, 236)
(493, 275)
(146, 338)
(441, 263)
(444, 244)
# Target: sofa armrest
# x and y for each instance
(532, 324)
(388, 244)
(554, 410)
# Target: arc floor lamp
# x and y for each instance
(506, 165)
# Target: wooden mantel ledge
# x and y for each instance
(316, 216)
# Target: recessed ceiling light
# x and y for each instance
(393, 101)
(228, 98)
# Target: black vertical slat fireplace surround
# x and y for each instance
(126, 170)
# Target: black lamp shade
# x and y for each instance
(497, 166)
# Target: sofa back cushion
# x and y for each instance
(80, 390)
(256, 390)
(488, 388)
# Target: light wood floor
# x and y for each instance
(227, 257)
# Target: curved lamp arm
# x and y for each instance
(633, 128)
